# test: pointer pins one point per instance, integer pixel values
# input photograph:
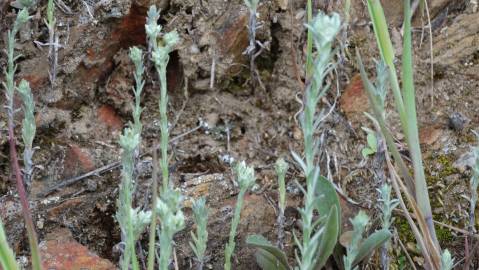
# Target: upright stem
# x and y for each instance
(234, 227)
(309, 44)
(32, 236)
(10, 90)
(163, 126)
(152, 235)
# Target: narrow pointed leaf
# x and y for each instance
(262, 243)
(268, 261)
(373, 242)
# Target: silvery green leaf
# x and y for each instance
(299, 160)
(267, 261)
(328, 238)
(329, 198)
(374, 241)
(263, 244)
(447, 262)
(367, 152)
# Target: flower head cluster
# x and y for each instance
(244, 175)
(130, 140)
(324, 29)
(160, 52)
(169, 211)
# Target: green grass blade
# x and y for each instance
(368, 86)
(387, 54)
(412, 135)
(380, 29)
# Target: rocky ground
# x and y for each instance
(80, 118)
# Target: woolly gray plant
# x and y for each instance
(245, 178)
(200, 239)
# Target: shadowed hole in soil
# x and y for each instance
(200, 163)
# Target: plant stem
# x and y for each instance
(32, 236)
(412, 134)
(309, 44)
(234, 226)
(10, 90)
(152, 235)
(161, 70)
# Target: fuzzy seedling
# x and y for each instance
(245, 178)
(132, 221)
(318, 238)
(10, 87)
(136, 56)
(160, 58)
(281, 168)
(7, 257)
(200, 239)
(387, 206)
(28, 130)
(372, 143)
(447, 262)
(359, 222)
(172, 221)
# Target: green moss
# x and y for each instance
(444, 235)
(404, 230)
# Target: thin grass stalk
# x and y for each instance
(379, 116)
(414, 228)
(9, 85)
(430, 248)
(27, 216)
(387, 54)
(412, 137)
(152, 234)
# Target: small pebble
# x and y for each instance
(457, 121)
(91, 185)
